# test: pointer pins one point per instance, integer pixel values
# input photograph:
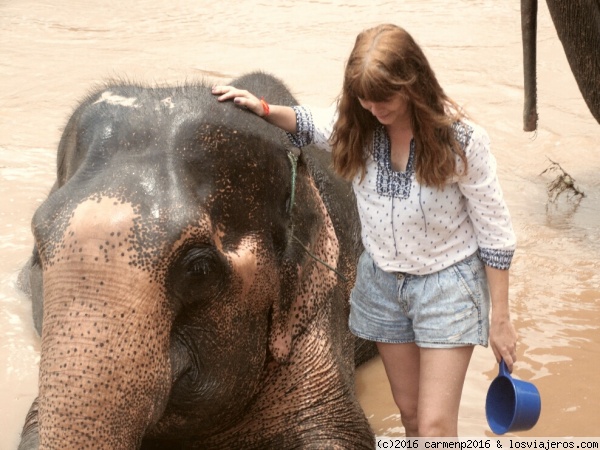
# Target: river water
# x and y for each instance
(54, 51)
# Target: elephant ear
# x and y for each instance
(306, 274)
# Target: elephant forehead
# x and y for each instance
(107, 213)
(107, 228)
(95, 229)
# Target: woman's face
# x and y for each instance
(392, 111)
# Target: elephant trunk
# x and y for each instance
(105, 369)
(529, 31)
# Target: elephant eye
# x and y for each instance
(200, 261)
(200, 268)
(199, 275)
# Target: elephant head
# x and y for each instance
(180, 306)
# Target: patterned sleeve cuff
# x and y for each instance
(305, 127)
(498, 259)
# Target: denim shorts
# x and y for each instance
(445, 309)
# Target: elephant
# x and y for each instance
(190, 279)
(577, 24)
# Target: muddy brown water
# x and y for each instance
(54, 51)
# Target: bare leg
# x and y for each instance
(427, 386)
(440, 388)
(401, 362)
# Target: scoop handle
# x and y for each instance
(504, 369)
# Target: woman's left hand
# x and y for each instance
(503, 340)
(503, 336)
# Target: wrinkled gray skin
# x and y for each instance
(577, 24)
(178, 304)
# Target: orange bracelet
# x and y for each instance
(265, 106)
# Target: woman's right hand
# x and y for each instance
(283, 117)
(240, 97)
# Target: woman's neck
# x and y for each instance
(400, 139)
(401, 128)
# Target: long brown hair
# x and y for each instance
(386, 60)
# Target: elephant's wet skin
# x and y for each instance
(180, 307)
(577, 24)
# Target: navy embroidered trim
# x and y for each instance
(304, 126)
(398, 184)
(498, 259)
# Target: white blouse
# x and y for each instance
(416, 229)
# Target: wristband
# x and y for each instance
(265, 106)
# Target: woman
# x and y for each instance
(437, 234)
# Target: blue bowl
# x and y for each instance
(511, 405)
